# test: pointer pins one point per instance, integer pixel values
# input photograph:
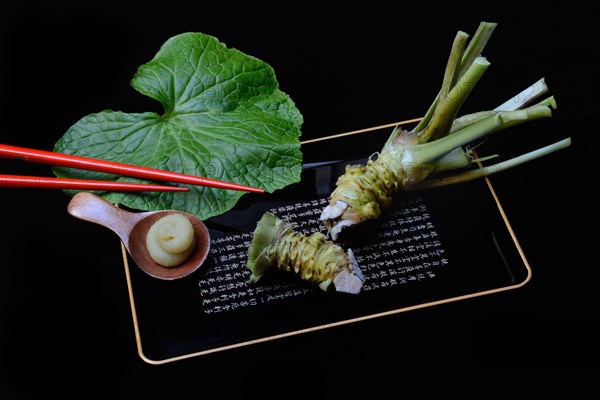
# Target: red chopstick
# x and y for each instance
(92, 164)
(42, 182)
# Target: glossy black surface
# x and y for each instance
(66, 330)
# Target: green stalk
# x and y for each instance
(492, 169)
(526, 96)
(515, 103)
(477, 44)
(443, 119)
(447, 108)
(437, 127)
(512, 118)
(453, 73)
(474, 50)
(429, 152)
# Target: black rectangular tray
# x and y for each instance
(433, 246)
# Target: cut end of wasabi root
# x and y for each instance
(312, 258)
(349, 280)
(331, 217)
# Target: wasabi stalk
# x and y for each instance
(312, 258)
(413, 159)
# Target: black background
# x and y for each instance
(65, 323)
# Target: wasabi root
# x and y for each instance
(312, 258)
(421, 157)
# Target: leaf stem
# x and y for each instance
(492, 169)
(473, 50)
(446, 110)
(440, 127)
(429, 152)
(524, 97)
(477, 44)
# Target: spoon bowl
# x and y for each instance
(132, 228)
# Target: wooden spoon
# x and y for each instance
(132, 229)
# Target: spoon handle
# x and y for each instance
(90, 207)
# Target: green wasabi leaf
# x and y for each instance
(224, 118)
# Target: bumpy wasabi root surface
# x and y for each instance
(312, 258)
(364, 190)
